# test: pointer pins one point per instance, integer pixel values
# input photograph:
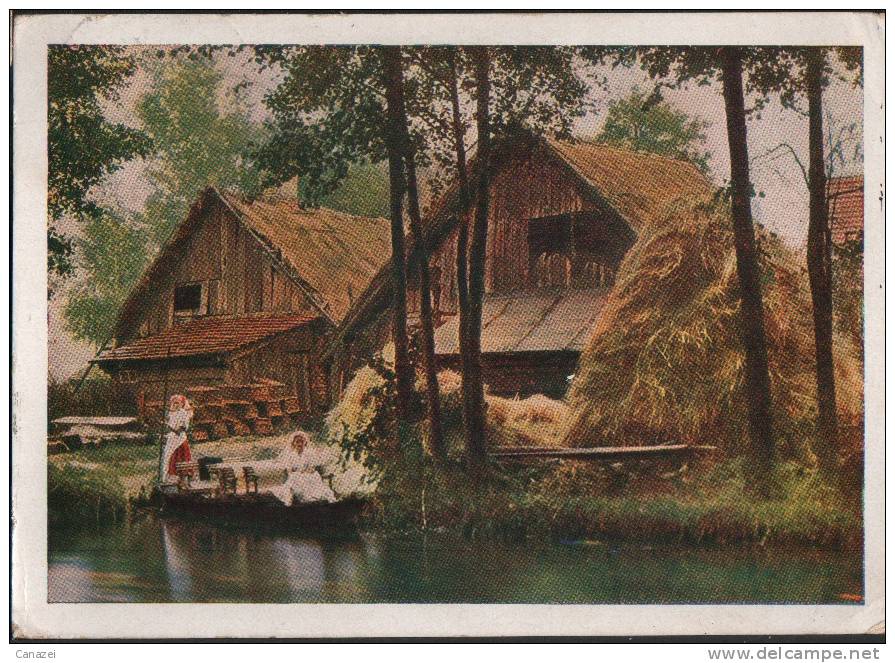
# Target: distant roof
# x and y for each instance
(637, 185)
(325, 252)
(846, 201)
(206, 336)
(333, 252)
(540, 321)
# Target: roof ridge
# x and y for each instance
(627, 150)
(300, 209)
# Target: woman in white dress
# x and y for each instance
(177, 447)
(303, 483)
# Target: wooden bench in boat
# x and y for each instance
(227, 481)
(250, 478)
(188, 478)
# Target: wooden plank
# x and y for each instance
(113, 422)
(602, 453)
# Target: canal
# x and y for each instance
(161, 560)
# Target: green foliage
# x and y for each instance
(82, 146)
(328, 113)
(113, 249)
(329, 110)
(98, 396)
(642, 123)
(200, 137)
(577, 500)
(363, 191)
(82, 497)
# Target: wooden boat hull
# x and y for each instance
(264, 508)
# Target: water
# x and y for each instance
(155, 560)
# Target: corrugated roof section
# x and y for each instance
(206, 336)
(846, 201)
(542, 321)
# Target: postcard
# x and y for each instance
(386, 325)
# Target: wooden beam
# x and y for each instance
(602, 453)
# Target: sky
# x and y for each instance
(783, 207)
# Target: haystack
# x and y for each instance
(533, 421)
(354, 411)
(665, 362)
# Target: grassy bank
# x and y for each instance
(571, 501)
(93, 487)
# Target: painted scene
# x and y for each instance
(455, 324)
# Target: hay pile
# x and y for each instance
(353, 413)
(533, 421)
(665, 362)
(536, 421)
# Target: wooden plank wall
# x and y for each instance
(530, 185)
(288, 359)
(238, 275)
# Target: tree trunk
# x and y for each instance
(394, 94)
(471, 358)
(462, 258)
(819, 267)
(758, 391)
(463, 178)
(433, 398)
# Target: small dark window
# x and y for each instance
(188, 297)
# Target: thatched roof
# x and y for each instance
(328, 254)
(637, 186)
(538, 321)
(333, 252)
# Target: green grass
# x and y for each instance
(83, 497)
(708, 505)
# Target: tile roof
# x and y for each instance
(846, 201)
(206, 336)
(531, 321)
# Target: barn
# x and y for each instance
(562, 215)
(244, 291)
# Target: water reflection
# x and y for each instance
(155, 560)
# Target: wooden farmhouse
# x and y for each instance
(244, 291)
(562, 216)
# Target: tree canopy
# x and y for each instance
(82, 145)
(200, 135)
(641, 122)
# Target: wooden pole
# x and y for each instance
(161, 443)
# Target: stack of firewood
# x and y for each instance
(260, 408)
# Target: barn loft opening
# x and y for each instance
(579, 250)
(188, 299)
